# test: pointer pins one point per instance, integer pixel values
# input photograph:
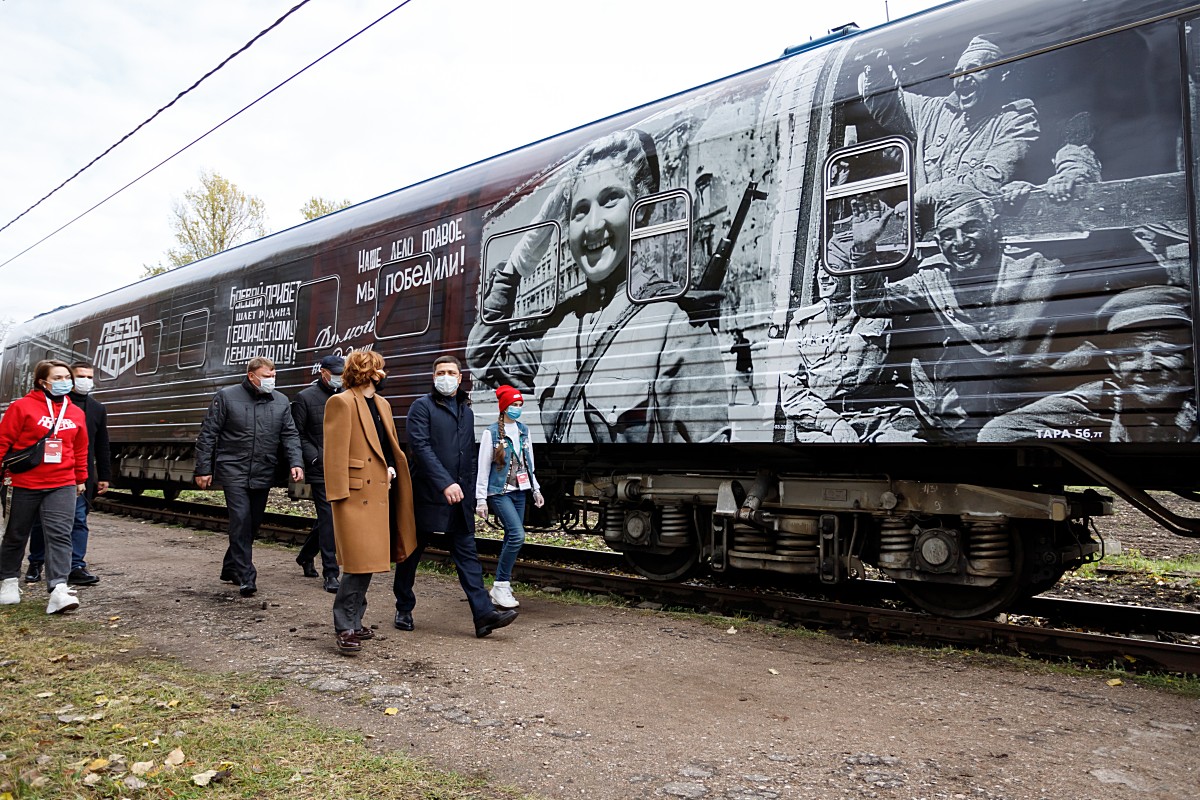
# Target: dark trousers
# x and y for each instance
(466, 561)
(350, 602)
(246, 508)
(55, 508)
(320, 538)
(79, 538)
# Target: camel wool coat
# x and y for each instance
(356, 484)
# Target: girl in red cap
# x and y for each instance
(506, 478)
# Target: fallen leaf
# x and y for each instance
(773, 671)
(731, 629)
(141, 767)
(118, 726)
(134, 783)
(172, 703)
(92, 778)
(391, 711)
(97, 765)
(44, 694)
(101, 699)
(1115, 682)
(175, 757)
(204, 777)
(113, 619)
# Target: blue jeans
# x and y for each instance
(510, 508)
(79, 538)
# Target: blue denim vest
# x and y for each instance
(498, 476)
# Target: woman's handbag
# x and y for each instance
(26, 458)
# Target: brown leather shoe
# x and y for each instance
(348, 643)
(364, 634)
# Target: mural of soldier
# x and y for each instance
(606, 370)
(972, 136)
(979, 311)
(1147, 394)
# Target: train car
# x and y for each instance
(880, 302)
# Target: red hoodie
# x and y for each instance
(28, 420)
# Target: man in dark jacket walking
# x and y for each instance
(99, 476)
(238, 446)
(444, 459)
(308, 410)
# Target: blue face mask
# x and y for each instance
(59, 388)
(513, 412)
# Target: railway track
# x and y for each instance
(1139, 638)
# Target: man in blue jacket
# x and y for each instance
(443, 460)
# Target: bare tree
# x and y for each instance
(212, 217)
(6, 324)
(319, 207)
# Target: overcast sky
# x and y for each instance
(437, 85)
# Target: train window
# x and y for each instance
(660, 245)
(404, 297)
(152, 342)
(317, 313)
(8, 371)
(81, 350)
(193, 339)
(530, 254)
(863, 184)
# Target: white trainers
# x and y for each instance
(10, 592)
(62, 599)
(502, 595)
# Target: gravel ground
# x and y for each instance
(614, 703)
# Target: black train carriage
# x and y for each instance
(880, 301)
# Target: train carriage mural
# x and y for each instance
(880, 301)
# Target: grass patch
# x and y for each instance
(1134, 562)
(86, 718)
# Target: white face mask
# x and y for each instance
(84, 385)
(266, 385)
(446, 384)
(335, 381)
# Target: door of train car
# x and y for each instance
(1005, 229)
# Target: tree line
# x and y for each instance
(217, 215)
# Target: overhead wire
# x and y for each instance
(153, 116)
(210, 131)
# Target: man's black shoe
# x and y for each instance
(35, 572)
(81, 577)
(309, 570)
(490, 622)
(331, 584)
(248, 589)
(229, 576)
(404, 620)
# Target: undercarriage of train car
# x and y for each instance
(955, 550)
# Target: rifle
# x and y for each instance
(714, 271)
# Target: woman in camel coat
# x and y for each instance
(368, 484)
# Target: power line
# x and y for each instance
(152, 117)
(211, 130)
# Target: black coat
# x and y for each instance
(441, 442)
(241, 436)
(308, 411)
(99, 454)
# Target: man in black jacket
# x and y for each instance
(444, 461)
(308, 410)
(238, 446)
(99, 476)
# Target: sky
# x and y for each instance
(437, 85)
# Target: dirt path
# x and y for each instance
(613, 703)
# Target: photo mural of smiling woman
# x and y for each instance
(600, 367)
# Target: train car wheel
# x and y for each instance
(669, 567)
(970, 602)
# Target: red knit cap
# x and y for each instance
(507, 395)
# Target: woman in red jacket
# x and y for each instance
(48, 490)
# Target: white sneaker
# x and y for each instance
(62, 599)
(502, 595)
(10, 592)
